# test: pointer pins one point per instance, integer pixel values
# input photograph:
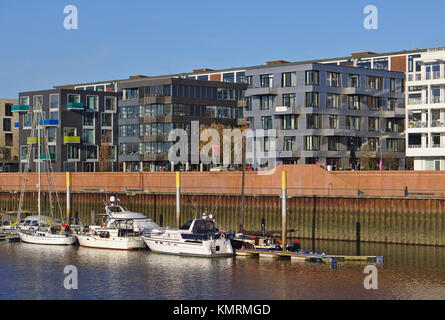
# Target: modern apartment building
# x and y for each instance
(9, 137)
(425, 112)
(322, 112)
(152, 107)
(81, 127)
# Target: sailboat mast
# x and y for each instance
(38, 161)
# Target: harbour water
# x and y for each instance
(37, 272)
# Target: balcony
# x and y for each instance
(20, 108)
(33, 140)
(418, 124)
(45, 156)
(437, 123)
(75, 106)
(414, 146)
(71, 139)
(49, 122)
(414, 101)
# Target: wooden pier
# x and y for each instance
(309, 257)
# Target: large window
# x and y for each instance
(374, 83)
(312, 99)
(6, 124)
(8, 109)
(75, 98)
(93, 103)
(27, 120)
(91, 152)
(73, 152)
(106, 136)
(266, 122)
(106, 119)
(354, 80)
(373, 124)
(110, 103)
(54, 101)
(69, 132)
(289, 79)
(353, 123)
(381, 64)
(374, 103)
(289, 122)
(289, 144)
(88, 119)
(290, 100)
(332, 100)
(333, 79)
(88, 136)
(312, 78)
(354, 102)
(312, 143)
(266, 80)
(333, 143)
(313, 121)
(229, 77)
(333, 121)
(266, 102)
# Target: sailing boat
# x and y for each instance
(46, 229)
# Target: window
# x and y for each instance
(290, 100)
(240, 77)
(312, 143)
(249, 101)
(52, 134)
(38, 102)
(374, 83)
(8, 110)
(312, 78)
(73, 152)
(313, 121)
(106, 136)
(333, 121)
(411, 62)
(435, 94)
(23, 152)
(289, 144)
(6, 124)
(333, 79)
(54, 115)
(312, 99)
(228, 77)
(353, 123)
(106, 119)
(91, 152)
(392, 104)
(24, 101)
(132, 93)
(92, 103)
(266, 102)
(373, 144)
(354, 80)
(364, 63)
(333, 143)
(54, 101)
(75, 98)
(27, 120)
(392, 85)
(203, 78)
(266, 122)
(69, 132)
(354, 143)
(354, 102)
(381, 64)
(374, 103)
(289, 122)
(373, 124)
(395, 145)
(88, 119)
(266, 80)
(8, 139)
(289, 79)
(88, 136)
(110, 103)
(332, 101)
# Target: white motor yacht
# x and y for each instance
(195, 238)
(120, 235)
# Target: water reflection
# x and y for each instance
(36, 272)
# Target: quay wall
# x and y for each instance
(368, 206)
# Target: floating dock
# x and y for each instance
(307, 256)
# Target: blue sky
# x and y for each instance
(116, 39)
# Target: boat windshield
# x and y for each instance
(203, 226)
(116, 209)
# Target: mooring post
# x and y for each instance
(68, 197)
(178, 199)
(283, 211)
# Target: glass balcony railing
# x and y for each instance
(435, 99)
(71, 139)
(45, 156)
(413, 101)
(20, 108)
(75, 106)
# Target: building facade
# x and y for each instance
(152, 107)
(9, 137)
(321, 112)
(425, 112)
(81, 127)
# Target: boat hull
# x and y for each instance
(112, 243)
(50, 240)
(206, 248)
